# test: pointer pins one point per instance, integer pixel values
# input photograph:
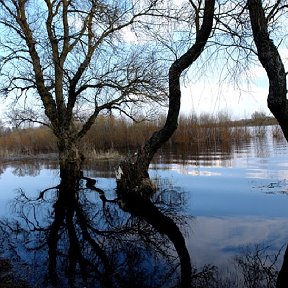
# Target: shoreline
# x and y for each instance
(108, 155)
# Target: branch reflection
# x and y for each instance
(74, 235)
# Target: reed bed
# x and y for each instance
(110, 136)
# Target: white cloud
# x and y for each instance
(217, 239)
(210, 96)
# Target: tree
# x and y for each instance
(246, 32)
(74, 56)
(271, 61)
(60, 85)
(133, 173)
(71, 58)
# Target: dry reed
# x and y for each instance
(111, 135)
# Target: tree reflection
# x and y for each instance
(282, 280)
(86, 240)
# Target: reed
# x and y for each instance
(210, 130)
(101, 155)
(111, 135)
(28, 141)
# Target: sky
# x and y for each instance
(212, 95)
(208, 96)
(239, 102)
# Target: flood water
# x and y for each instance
(224, 202)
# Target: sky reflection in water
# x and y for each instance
(237, 200)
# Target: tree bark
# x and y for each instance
(271, 61)
(70, 157)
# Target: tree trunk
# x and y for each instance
(133, 184)
(132, 175)
(70, 157)
(271, 61)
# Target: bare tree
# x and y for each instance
(73, 58)
(132, 174)
(73, 55)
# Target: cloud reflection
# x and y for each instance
(217, 240)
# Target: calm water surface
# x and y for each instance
(237, 200)
(229, 199)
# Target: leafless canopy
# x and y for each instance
(78, 58)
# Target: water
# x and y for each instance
(237, 200)
(229, 200)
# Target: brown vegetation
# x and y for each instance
(28, 141)
(111, 136)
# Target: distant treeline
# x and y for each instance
(118, 134)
